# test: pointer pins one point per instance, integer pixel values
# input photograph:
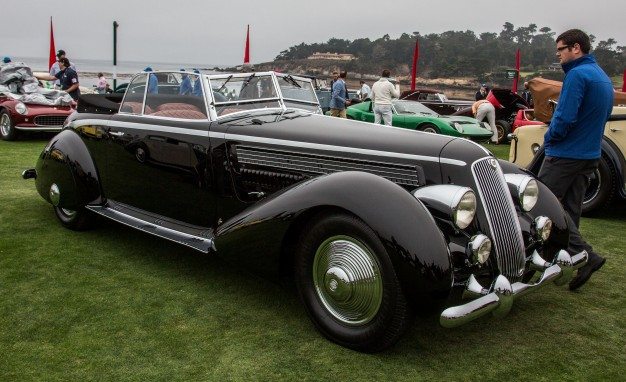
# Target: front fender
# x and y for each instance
(67, 162)
(415, 244)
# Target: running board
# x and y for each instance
(198, 238)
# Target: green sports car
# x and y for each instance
(414, 115)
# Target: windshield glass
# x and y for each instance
(298, 89)
(234, 94)
(412, 107)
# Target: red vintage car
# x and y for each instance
(17, 117)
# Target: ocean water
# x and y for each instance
(88, 69)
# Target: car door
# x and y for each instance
(157, 155)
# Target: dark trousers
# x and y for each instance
(568, 179)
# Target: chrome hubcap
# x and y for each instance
(347, 280)
(594, 187)
(5, 124)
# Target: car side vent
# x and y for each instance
(404, 175)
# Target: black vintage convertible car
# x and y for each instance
(373, 223)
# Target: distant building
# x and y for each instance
(331, 56)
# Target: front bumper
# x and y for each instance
(500, 296)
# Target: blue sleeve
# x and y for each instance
(338, 90)
(57, 75)
(566, 113)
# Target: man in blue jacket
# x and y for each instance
(339, 98)
(573, 140)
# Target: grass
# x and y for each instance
(118, 305)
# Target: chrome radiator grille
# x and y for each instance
(407, 175)
(502, 218)
(50, 120)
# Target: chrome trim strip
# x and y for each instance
(140, 126)
(143, 225)
(40, 128)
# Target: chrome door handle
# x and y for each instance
(614, 129)
(116, 133)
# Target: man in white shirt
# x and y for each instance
(383, 91)
(55, 68)
(365, 90)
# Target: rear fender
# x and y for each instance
(66, 162)
(415, 244)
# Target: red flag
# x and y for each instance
(53, 58)
(517, 65)
(246, 53)
(416, 54)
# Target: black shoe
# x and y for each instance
(585, 272)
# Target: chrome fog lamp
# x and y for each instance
(21, 108)
(543, 224)
(456, 202)
(526, 189)
(480, 245)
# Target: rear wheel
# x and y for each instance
(348, 285)
(430, 128)
(77, 220)
(503, 128)
(601, 188)
(7, 130)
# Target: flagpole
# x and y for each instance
(115, 25)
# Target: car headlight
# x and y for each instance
(526, 189)
(543, 225)
(465, 210)
(456, 202)
(21, 108)
(457, 126)
(480, 245)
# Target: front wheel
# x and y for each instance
(348, 285)
(7, 130)
(77, 220)
(430, 128)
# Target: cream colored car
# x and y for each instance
(607, 181)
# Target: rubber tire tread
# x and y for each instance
(394, 315)
(82, 221)
(607, 191)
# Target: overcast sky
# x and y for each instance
(213, 32)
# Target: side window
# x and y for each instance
(422, 96)
(133, 99)
(174, 97)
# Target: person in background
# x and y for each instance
(365, 90)
(55, 68)
(153, 82)
(103, 84)
(526, 95)
(197, 87)
(383, 91)
(482, 109)
(339, 99)
(185, 85)
(67, 77)
(574, 138)
(482, 92)
(6, 60)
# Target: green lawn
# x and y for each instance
(115, 304)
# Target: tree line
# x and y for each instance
(458, 53)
